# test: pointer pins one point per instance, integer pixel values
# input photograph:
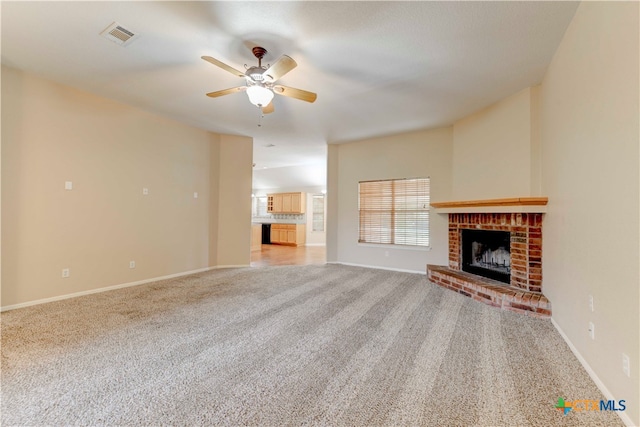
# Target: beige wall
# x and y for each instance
(52, 134)
(409, 155)
(234, 201)
(214, 196)
(590, 152)
(333, 178)
(492, 151)
(536, 144)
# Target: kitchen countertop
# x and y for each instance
(277, 221)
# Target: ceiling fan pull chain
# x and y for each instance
(260, 118)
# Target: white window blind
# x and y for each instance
(394, 211)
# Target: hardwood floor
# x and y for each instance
(288, 255)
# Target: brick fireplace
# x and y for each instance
(525, 246)
(519, 256)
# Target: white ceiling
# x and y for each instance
(378, 67)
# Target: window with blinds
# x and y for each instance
(394, 212)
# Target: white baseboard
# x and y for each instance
(607, 394)
(111, 288)
(377, 267)
(315, 244)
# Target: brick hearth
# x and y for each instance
(490, 292)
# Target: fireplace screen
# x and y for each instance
(487, 253)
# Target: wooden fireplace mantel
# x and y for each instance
(513, 204)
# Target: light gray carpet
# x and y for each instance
(299, 345)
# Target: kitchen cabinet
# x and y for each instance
(275, 203)
(292, 203)
(288, 234)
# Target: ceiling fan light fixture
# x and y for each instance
(259, 95)
(260, 81)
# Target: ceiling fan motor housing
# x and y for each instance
(259, 52)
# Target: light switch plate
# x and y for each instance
(626, 365)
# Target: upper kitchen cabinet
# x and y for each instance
(291, 203)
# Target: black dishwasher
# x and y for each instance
(266, 234)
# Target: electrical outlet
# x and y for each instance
(591, 303)
(145, 191)
(626, 365)
(195, 195)
(66, 273)
(68, 185)
(132, 264)
(592, 331)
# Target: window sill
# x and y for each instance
(399, 247)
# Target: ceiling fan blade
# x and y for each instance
(223, 66)
(295, 93)
(283, 65)
(268, 109)
(226, 91)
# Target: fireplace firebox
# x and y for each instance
(487, 253)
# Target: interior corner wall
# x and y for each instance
(492, 154)
(52, 134)
(235, 164)
(409, 155)
(331, 200)
(536, 144)
(214, 196)
(590, 172)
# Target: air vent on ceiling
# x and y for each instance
(118, 34)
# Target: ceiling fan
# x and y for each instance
(260, 81)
